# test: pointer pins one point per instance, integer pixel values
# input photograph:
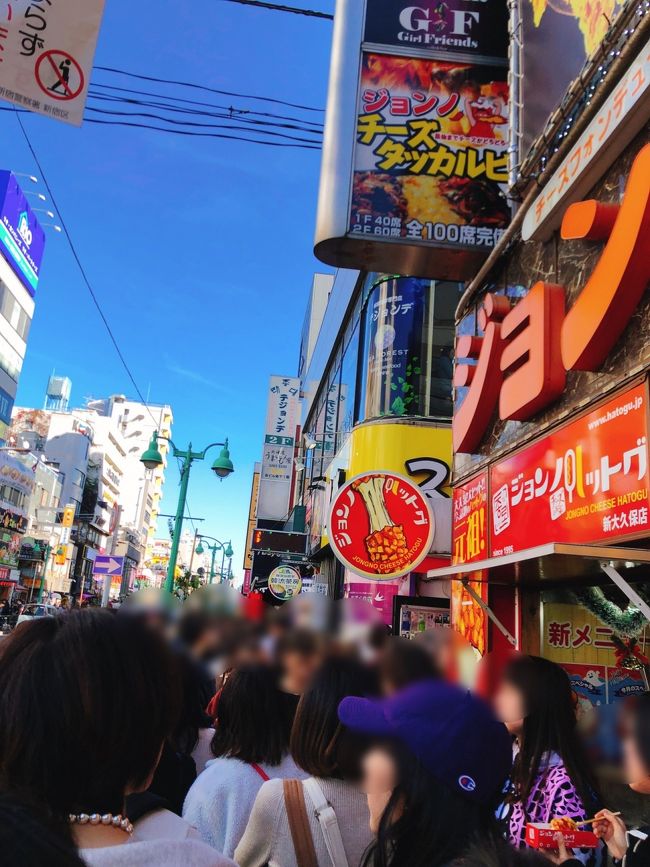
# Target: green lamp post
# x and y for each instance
(219, 546)
(48, 551)
(152, 458)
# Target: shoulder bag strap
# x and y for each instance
(328, 822)
(260, 771)
(303, 842)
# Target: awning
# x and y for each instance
(555, 564)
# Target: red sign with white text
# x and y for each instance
(470, 520)
(380, 526)
(586, 482)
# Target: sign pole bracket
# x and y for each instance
(483, 604)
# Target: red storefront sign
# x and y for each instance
(470, 520)
(470, 543)
(586, 482)
(526, 351)
(380, 526)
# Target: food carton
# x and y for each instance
(540, 835)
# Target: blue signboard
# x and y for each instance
(6, 405)
(22, 240)
(108, 565)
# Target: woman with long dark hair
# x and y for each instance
(435, 775)
(551, 776)
(631, 847)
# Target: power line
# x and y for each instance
(277, 7)
(204, 87)
(81, 267)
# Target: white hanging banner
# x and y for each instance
(46, 54)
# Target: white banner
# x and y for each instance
(282, 418)
(46, 54)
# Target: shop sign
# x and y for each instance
(617, 122)
(380, 526)
(456, 26)
(470, 539)
(470, 520)
(10, 544)
(380, 596)
(415, 154)
(6, 405)
(252, 512)
(282, 419)
(525, 352)
(285, 582)
(47, 51)
(431, 154)
(553, 44)
(9, 520)
(585, 482)
(21, 237)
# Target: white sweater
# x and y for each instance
(155, 853)
(221, 799)
(267, 839)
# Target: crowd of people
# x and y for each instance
(135, 738)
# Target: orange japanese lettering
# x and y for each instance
(603, 308)
(531, 362)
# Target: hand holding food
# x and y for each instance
(611, 828)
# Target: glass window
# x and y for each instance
(407, 352)
(348, 388)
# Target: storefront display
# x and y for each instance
(413, 615)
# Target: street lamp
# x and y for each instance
(226, 548)
(152, 458)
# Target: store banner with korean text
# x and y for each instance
(431, 156)
(458, 26)
(282, 418)
(46, 54)
(585, 482)
(380, 526)
(22, 239)
(469, 544)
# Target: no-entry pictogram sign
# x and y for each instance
(59, 75)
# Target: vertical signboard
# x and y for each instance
(470, 543)
(282, 419)
(22, 239)
(252, 513)
(46, 55)
(415, 155)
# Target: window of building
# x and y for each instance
(348, 387)
(407, 348)
(10, 361)
(13, 312)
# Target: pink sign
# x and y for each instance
(380, 596)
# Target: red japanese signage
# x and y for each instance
(380, 526)
(586, 482)
(469, 522)
(526, 351)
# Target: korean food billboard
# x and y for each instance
(585, 482)
(558, 36)
(470, 543)
(380, 526)
(415, 154)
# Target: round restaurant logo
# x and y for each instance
(467, 783)
(285, 582)
(381, 525)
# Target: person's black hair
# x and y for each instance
(320, 744)
(498, 853)
(641, 728)
(425, 823)
(406, 662)
(29, 840)
(252, 723)
(191, 627)
(549, 726)
(191, 712)
(87, 700)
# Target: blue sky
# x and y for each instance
(199, 249)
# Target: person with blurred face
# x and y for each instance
(631, 848)
(434, 774)
(551, 777)
(299, 655)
